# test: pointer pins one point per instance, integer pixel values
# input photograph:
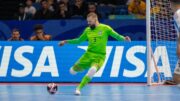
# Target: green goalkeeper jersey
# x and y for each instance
(97, 38)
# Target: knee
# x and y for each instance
(73, 72)
(92, 71)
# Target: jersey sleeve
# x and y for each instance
(115, 35)
(82, 38)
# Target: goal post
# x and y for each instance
(161, 39)
(148, 38)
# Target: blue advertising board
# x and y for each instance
(47, 62)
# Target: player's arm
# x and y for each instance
(117, 36)
(82, 38)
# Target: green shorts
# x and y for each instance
(88, 60)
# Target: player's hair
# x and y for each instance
(37, 27)
(92, 14)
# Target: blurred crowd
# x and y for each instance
(39, 34)
(66, 9)
(70, 9)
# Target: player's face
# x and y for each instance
(15, 35)
(91, 22)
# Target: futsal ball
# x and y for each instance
(52, 88)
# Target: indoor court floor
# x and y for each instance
(92, 92)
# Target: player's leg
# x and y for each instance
(96, 64)
(176, 76)
(72, 71)
(82, 64)
(178, 50)
(75, 69)
(178, 47)
(86, 79)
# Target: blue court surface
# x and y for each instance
(92, 92)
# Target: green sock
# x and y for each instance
(84, 82)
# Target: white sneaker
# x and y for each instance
(77, 92)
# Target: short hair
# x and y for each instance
(92, 14)
(37, 27)
(16, 30)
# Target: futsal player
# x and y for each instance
(97, 35)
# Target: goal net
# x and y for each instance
(161, 41)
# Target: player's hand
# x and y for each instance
(127, 38)
(62, 43)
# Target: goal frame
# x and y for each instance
(148, 40)
(150, 56)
